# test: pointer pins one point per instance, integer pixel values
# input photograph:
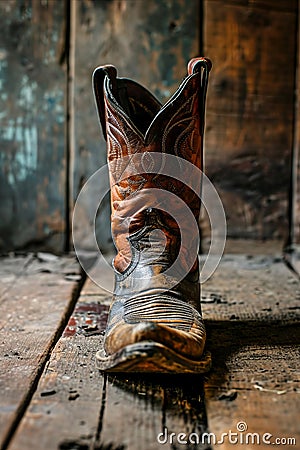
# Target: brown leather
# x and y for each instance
(148, 305)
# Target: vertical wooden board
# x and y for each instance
(250, 112)
(297, 159)
(32, 95)
(150, 42)
(296, 169)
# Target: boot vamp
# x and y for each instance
(155, 316)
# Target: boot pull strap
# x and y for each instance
(98, 81)
(202, 65)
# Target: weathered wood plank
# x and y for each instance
(76, 406)
(250, 111)
(36, 298)
(32, 95)
(294, 250)
(250, 306)
(296, 231)
(150, 42)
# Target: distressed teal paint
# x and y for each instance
(22, 132)
(24, 161)
(32, 114)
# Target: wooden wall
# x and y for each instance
(50, 140)
(32, 129)
(295, 185)
(250, 111)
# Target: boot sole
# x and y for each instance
(151, 357)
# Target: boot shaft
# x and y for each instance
(140, 132)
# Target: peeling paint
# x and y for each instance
(20, 133)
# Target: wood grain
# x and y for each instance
(250, 306)
(36, 297)
(249, 132)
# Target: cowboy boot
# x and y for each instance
(155, 160)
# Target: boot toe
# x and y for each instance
(183, 334)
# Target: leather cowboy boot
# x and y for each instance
(154, 157)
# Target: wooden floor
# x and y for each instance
(52, 396)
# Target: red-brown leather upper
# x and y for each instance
(135, 122)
